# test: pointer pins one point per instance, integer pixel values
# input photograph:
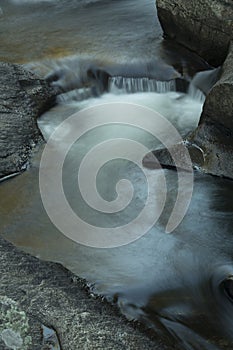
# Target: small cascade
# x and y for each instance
(202, 83)
(76, 95)
(195, 93)
(123, 85)
(131, 85)
(205, 80)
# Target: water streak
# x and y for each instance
(195, 93)
(130, 85)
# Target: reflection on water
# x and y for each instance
(163, 279)
(169, 281)
(61, 28)
(106, 30)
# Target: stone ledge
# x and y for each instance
(46, 293)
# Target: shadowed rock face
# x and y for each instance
(211, 144)
(205, 27)
(23, 97)
(214, 134)
(37, 293)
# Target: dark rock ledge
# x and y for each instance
(23, 97)
(35, 293)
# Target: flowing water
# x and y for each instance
(170, 282)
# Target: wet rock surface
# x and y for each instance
(34, 294)
(211, 145)
(205, 27)
(163, 157)
(214, 134)
(23, 97)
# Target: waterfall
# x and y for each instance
(195, 93)
(76, 95)
(205, 80)
(127, 85)
(130, 85)
(202, 83)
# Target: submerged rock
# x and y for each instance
(23, 97)
(205, 27)
(43, 304)
(163, 157)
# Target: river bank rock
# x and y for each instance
(211, 145)
(23, 97)
(214, 135)
(35, 294)
(205, 27)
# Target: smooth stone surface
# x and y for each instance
(162, 157)
(23, 97)
(205, 27)
(43, 293)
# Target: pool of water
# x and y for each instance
(169, 281)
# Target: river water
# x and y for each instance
(170, 282)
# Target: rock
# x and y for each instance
(35, 294)
(205, 27)
(211, 145)
(23, 97)
(214, 134)
(163, 158)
